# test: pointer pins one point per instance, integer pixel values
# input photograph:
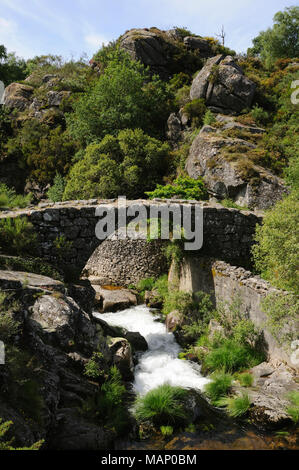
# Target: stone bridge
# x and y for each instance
(227, 233)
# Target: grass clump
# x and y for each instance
(145, 285)
(209, 118)
(10, 200)
(17, 236)
(165, 405)
(230, 204)
(219, 386)
(246, 379)
(231, 357)
(166, 431)
(236, 406)
(293, 409)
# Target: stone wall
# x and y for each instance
(225, 283)
(227, 233)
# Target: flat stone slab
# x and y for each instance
(19, 279)
(113, 299)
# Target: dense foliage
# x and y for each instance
(12, 68)
(128, 163)
(182, 188)
(276, 253)
(124, 97)
(280, 41)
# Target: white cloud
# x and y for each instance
(95, 40)
(9, 37)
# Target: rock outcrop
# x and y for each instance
(158, 49)
(121, 351)
(110, 299)
(223, 85)
(55, 340)
(18, 96)
(269, 396)
(233, 176)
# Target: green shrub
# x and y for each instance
(113, 389)
(8, 326)
(129, 163)
(276, 251)
(146, 284)
(246, 379)
(236, 406)
(293, 409)
(165, 405)
(209, 118)
(232, 357)
(260, 115)
(282, 312)
(30, 265)
(182, 188)
(279, 41)
(181, 301)
(62, 247)
(125, 96)
(108, 405)
(196, 111)
(166, 430)
(219, 387)
(182, 96)
(56, 191)
(94, 367)
(17, 236)
(9, 199)
(161, 285)
(214, 75)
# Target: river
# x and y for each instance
(159, 365)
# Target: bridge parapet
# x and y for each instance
(227, 233)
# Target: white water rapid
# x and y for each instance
(160, 364)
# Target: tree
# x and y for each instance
(12, 68)
(276, 252)
(280, 41)
(130, 163)
(125, 96)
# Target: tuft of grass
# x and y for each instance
(230, 204)
(232, 357)
(293, 409)
(246, 379)
(236, 406)
(219, 386)
(145, 284)
(166, 430)
(17, 236)
(164, 405)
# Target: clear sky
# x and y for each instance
(71, 27)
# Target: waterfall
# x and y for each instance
(160, 364)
